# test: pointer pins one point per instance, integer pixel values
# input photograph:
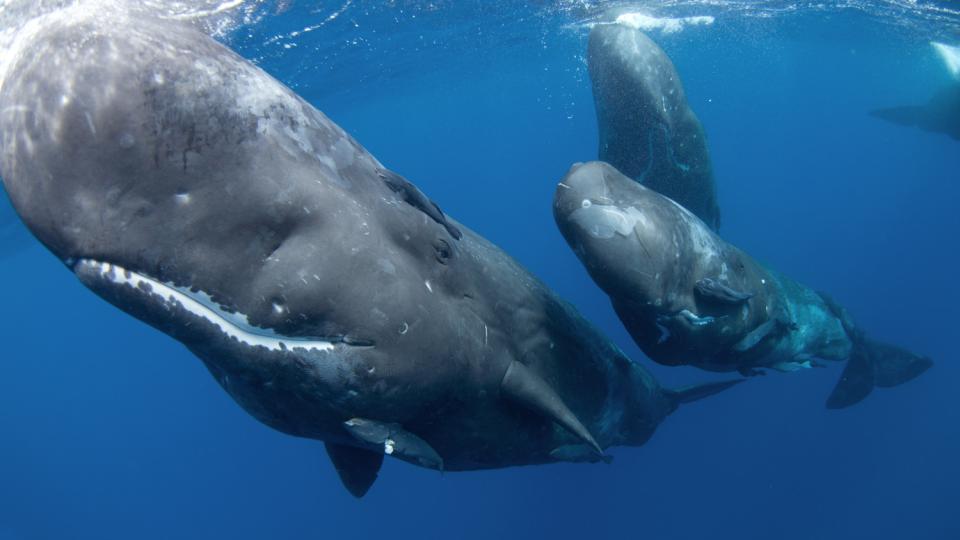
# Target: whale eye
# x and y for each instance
(442, 250)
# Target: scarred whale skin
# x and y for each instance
(687, 297)
(327, 295)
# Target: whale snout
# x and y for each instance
(607, 220)
(586, 205)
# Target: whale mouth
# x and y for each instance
(231, 324)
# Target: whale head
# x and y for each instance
(190, 189)
(653, 257)
(619, 229)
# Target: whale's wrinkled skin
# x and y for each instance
(688, 297)
(647, 129)
(327, 295)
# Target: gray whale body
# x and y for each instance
(647, 129)
(326, 294)
(687, 297)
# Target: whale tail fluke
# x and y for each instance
(872, 364)
(696, 392)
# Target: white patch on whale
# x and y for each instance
(234, 325)
(604, 221)
(667, 25)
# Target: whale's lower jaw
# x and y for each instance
(99, 275)
(294, 385)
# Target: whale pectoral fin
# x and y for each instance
(526, 388)
(358, 468)
(394, 440)
(755, 336)
(856, 382)
(715, 291)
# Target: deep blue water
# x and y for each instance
(109, 429)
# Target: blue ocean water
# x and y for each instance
(109, 429)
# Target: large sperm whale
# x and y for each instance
(689, 298)
(328, 295)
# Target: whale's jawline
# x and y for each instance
(198, 304)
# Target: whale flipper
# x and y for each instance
(755, 336)
(357, 468)
(697, 392)
(395, 441)
(528, 389)
(719, 292)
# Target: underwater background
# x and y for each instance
(110, 429)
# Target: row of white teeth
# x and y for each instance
(234, 325)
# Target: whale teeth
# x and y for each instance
(231, 323)
(528, 389)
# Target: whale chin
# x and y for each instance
(181, 311)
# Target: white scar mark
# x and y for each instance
(234, 325)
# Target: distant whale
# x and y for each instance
(940, 115)
(326, 294)
(647, 129)
(689, 298)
